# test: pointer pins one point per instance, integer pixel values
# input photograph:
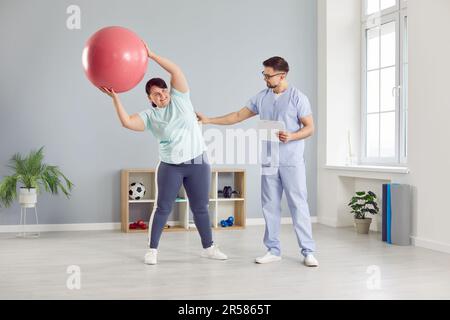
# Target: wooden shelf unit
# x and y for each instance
(219, 208)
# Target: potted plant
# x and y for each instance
(33, 175)
(361, 204)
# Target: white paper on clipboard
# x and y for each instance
(269, 128)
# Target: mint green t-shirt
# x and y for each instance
(176, 128)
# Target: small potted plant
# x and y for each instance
(32, 174)
(361, 204)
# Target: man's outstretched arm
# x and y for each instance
(229, 119)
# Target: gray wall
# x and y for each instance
(45, 98)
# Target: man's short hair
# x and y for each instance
(277, 63)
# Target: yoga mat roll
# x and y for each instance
(388, 214)
(401, 217)
(384, 213)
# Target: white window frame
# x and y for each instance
(403, 157)
(395, 14)
(393, 9)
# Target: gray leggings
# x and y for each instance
(195, 175)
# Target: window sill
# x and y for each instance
(365, 168)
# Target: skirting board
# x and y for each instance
(61, 227)
(327, 222)
(431, 244)
(418, 242)
(107, 226)
(284, 220)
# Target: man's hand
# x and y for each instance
(150, 53)
(109, 92)
(202, 118)
(285, 136)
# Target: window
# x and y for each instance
(385, 67)
(375, 6)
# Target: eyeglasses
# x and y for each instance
(268, 76)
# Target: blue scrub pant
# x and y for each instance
(291, 180)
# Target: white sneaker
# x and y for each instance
(268, 258)
(310, 261)
(151, 256)
(214, 253)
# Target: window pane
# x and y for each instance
(372, 6)
(387, 89)
(373, 91)
(373, 48)
(373, 135)
(387, 135)
(405, 134)
(405, 89)
(405, 86)
(386, 4)
(388, 44)
(405, 110)
(405, 41)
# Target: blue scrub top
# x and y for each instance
(289, 107)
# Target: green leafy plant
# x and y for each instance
(364, 203)
(32, 173)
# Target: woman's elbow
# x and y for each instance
(137, 129)
(125, 125)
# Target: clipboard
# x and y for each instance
(269, 128)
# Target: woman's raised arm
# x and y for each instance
(178, 80)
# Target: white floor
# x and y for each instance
(112, 267)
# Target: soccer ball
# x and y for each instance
(136, 191)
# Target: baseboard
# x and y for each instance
(431, 244)
(61, 227)
(107, 226)
(327, 222)
(261, 221)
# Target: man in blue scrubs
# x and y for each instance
(285, 171)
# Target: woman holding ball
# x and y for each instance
(172, 120)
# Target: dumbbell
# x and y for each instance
(227, 223)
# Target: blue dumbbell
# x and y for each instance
(230, 221)
(224, 224)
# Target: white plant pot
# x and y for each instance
(363, 225)
(27, 197)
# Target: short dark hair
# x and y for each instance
(277, 63)
(158, 82)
